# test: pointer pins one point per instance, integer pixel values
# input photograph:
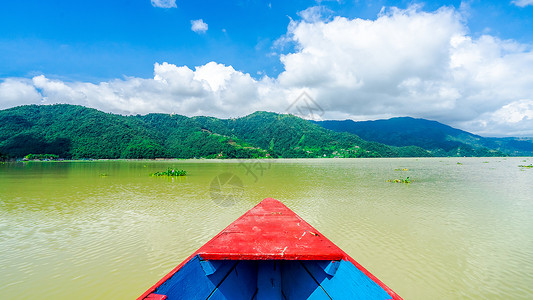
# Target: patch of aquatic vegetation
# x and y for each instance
(401, 169)
(526, 166)
(170, 172)
(401, 180)
(459, 163)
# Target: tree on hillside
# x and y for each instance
(143, 149)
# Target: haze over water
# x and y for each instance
(97, 229)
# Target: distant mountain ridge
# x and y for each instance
(438, 138)
(78, 132)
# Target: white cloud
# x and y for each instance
(404, 63)
(212, 89)
(17, 91)
(374, 67)
(215, 76)
(407, 62)
(515, 119)
(515, 112)
(198, 26)
(315, 14)
(522, 3)
(164, 3)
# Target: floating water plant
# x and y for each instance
(526, 166)
(402, 169)
(170, 172)
(401, 180)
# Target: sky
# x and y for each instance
(468, 64)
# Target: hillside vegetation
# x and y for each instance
(76, 132)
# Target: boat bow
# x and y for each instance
(269, 253)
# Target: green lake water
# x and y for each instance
(463, 229)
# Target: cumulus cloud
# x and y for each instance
(515, 119)
(515, 112)
(198, 26)
(404, 63)
(374, 67)
(164, 3)
(407, 62)
(522, 3)
(212, 89)
(18, 91)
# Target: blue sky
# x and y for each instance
(108, 49)
(98, 40)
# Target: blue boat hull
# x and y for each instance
(269, 279)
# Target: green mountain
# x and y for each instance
(439, 139)
(79, 132)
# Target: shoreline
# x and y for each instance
(249, 159)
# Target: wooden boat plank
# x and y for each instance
(269, 281)
(192, 279)
(240, 283)
(348, 282)
(299, 284)
(270, 231)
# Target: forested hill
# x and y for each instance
(438, 138)
(79, 132)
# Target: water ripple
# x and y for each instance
(457, 231)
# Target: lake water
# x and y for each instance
(463, 228)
